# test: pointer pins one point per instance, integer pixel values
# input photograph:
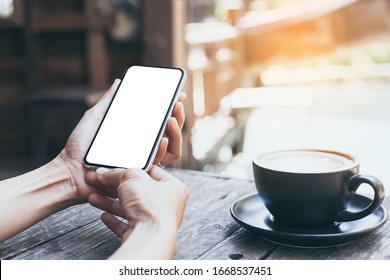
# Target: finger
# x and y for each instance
(178, 114)
(175, 142)
(102, 105)
(107, 97)
(182, 96)
(97, 187)
(114, 177)
(114, 224)
(110, 177)
(159, 174)
(91, 179)
(162, 150)
(106, 204)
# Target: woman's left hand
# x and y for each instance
(76, 147)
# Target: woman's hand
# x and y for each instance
(153, 203)
(72, 155)
(171, 144)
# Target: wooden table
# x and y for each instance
(208, 231)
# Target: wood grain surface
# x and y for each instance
(207, 232)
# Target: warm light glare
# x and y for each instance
(324, 73)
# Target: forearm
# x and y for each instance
(148, 242)
(31, 197)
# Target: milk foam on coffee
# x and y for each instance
(305, 161)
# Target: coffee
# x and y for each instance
(312, 188)
(306, 161)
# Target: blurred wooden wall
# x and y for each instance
(52, 55)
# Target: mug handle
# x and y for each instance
(379, 196)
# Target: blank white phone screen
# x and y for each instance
(132, 124)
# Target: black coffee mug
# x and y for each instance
(312, 188)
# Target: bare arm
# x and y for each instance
(31, 197)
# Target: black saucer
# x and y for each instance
(251, 213)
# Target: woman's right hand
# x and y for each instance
(155, 199)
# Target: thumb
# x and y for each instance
(110, 177)
(159, 174)
(114, 177)
(102, 105)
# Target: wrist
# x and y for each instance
(34, 196)
(55, 181)
(149, 240)
(70, 170)
(65, 179)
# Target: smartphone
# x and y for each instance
(132, 128)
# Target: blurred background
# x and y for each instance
(262, 75)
